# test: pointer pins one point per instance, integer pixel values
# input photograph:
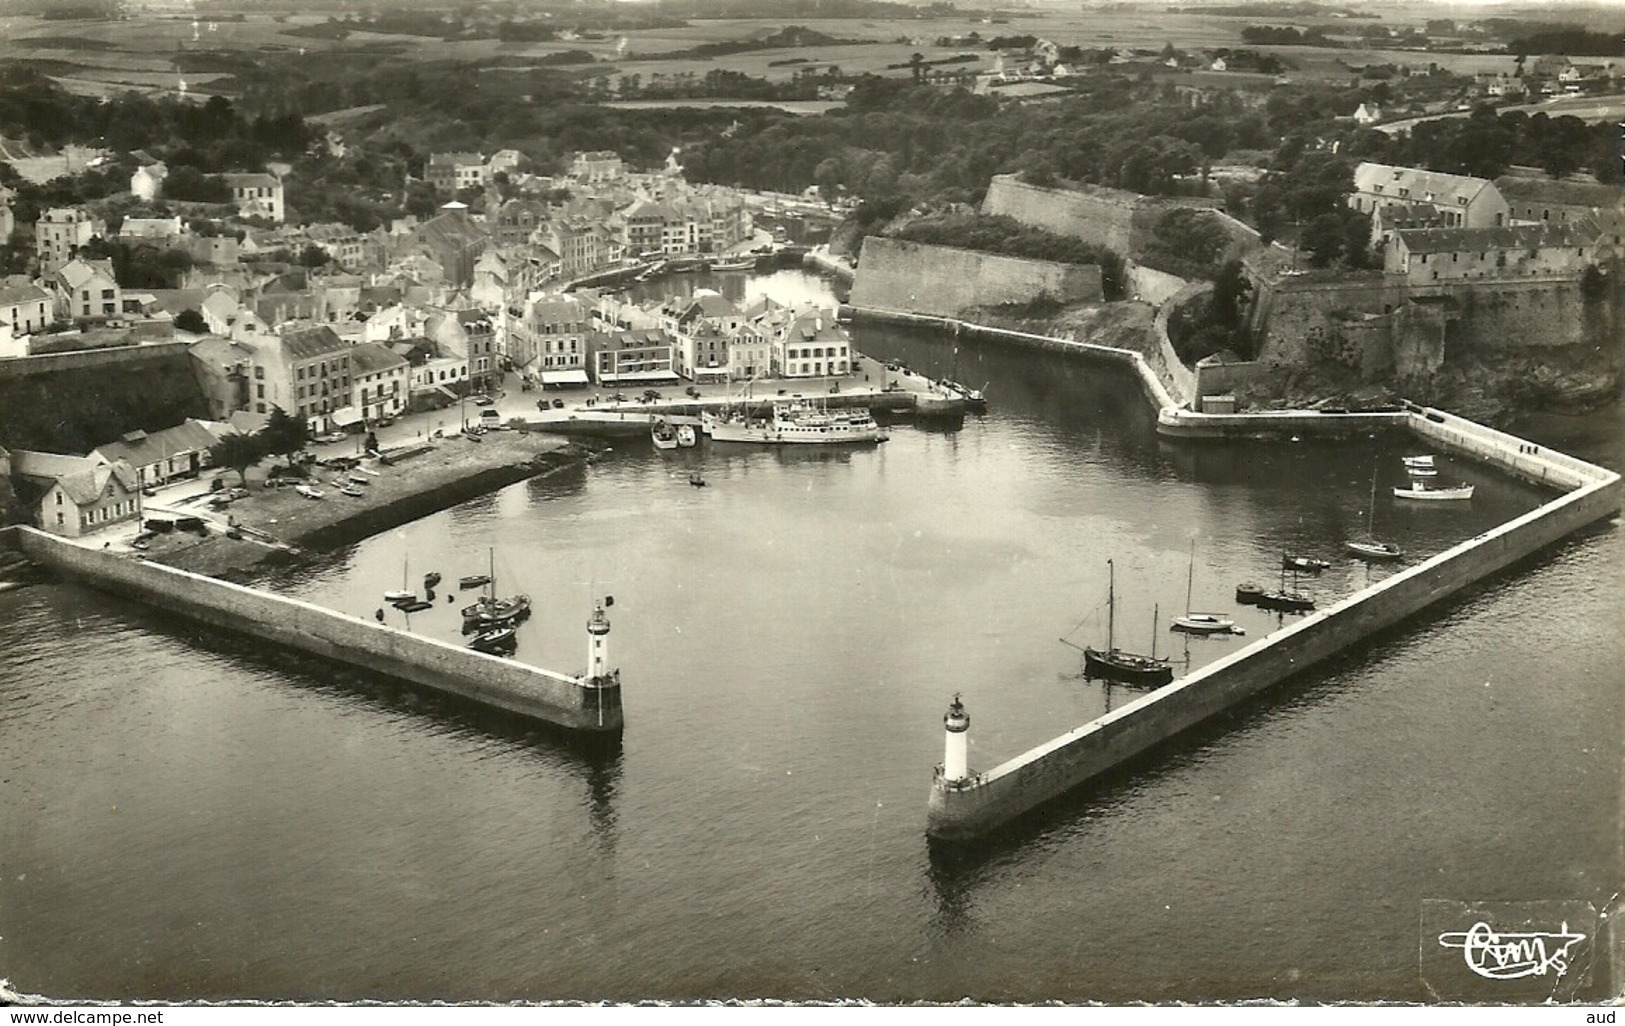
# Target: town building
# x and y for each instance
(257, 195)
(1428, 256)
(224, 371)
(1542, 199)
(1462, 201)
(152, 229)
(62, 230)
(473, 334)
(75, 495)
(549, 342)
(450, 172)
(451, 239)
(305, 371)
(812, 344)
(597, 167)
(381, 379)
(25, 309)
(86, 288)
(630, 358)
(161, 456)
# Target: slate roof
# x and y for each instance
(76, 273)
(1518, 236)
(222, 352)
(140, 449)
(1429, 186)
(310, 343)
(251, 180)
(640, 339)
(455, 159)
(11, 295)
(373, 358)
(1548, 190)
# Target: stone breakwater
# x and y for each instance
(591, 705)
(966, 808)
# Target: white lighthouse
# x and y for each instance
(598, 641)
(957, 724)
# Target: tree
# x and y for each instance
(191, 320)
(313, 256)
(239, 452)
(284, 435)
(1323, 237)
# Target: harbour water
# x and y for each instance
(192, 817)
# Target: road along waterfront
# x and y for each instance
(208, 819)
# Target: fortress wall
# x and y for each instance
(912, 277)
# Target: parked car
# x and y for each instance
(650, 395)
(692, 392)
(483, 400)
(558, 404)
(619, 397)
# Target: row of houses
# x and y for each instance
(600, 338)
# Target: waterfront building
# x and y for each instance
(1462, 201)
(549, 342)
(436, 376)
(381, 380)
(750, 354)
(517, 220)
(75, 495)
(472, 333)
(702, 326)
(631, 358)
(160, 456)
(303, 369)
(812, 344)
(62, 230)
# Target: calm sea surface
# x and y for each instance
(188, 815)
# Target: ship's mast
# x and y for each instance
(1111, 606)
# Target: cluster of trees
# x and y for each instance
(1285, 35)
(1486, 143)
(1571, 40)
(1188, 242)
(788, 37)
(139, 265)
(282, 435)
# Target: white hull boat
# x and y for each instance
(795, 424)
(1420, 490)
(685, 436)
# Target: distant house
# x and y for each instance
(224, 372)
(594, 167)
(450, 239)
(450, 172)
(257, 195)
(75, 495)
(25, 309)
(148, 181)
(61, 230)
(812, 344)
(156, 229)
(87, 288)
(175, 452)
(1367, 114)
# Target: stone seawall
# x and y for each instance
(543, 695)
(911, 277)
(73, 402)
(963, 811)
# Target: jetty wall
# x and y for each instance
(913, 277)
(964, 810)
(574, 703)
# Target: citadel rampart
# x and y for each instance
(943, 281)
(73, 402)
(1118, 220)
(1377, 324)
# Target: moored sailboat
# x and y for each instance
(1201, 623)
(1369, 548)
(1113, 663)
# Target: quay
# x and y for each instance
(587, 702)
(964, 804)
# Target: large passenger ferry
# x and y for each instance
(796, 422)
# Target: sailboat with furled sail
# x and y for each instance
(1113, 663)
(1201, 623)
(489, 612)
(1369, 548)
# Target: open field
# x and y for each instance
(97, 57)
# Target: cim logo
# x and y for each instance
(1538, 951)
(1513, 956)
